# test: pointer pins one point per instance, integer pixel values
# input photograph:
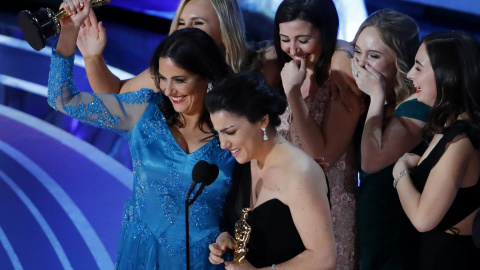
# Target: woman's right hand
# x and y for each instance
(78, 11)
(92, 37)
(293, 74)
(224, 241)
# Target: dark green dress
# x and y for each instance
(388, 240)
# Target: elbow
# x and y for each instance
(52, 102)
(422, 224)
(331, 264)
(369, 166)
(326, 262)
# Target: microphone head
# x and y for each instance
(204, 172)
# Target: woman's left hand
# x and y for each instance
(406, 162)
(244, 266)
(368, 79)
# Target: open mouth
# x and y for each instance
(234, 151)
(299, 58)
(178, 99)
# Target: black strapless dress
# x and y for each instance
(274, 238)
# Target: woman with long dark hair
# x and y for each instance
(168, 133)
(440, 190)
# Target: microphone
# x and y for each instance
(205, 174)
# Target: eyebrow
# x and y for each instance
(298, 36)
(225, 128)
(356, 47)
(194, 17)
(418, 62)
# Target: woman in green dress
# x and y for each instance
(384, 49)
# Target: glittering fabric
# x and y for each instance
(153, 227)
(342, 180)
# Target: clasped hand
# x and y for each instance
(407, 162)
(293, 75)
(224, 242)
(78, 11)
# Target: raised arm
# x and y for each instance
(458, 167)
(341, 79)
(331, 138)
(382, 144)
(110, 111)
(91, 42)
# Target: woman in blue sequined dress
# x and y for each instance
(168, 133)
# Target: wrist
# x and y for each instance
(93, 58)
(400, 176)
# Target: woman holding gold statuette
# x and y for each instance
(168, 133)
(286, 189)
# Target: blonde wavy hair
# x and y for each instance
(231, 26)
(400, 33)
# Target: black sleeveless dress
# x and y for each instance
(439, 250)
(274, 238)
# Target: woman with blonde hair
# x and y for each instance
(232, 28)
(385, 47)
(221, 19)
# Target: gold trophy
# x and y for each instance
(37, 27)
(242, 235)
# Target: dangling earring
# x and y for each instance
(209, 87)
(265, 137)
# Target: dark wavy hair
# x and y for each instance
(247, 94)
(455, 59)
(194, 51)
(323, 16)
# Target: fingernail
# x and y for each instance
(81, 4)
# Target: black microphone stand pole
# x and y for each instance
(187, 229)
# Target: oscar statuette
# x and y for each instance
(38, 26)
(242, 236)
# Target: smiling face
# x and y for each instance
(186, 91)
(299, 39)
(237, 135)
(370, 50)
(423, 77)
(201, 14)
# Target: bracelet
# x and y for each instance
(400, 175)
(273, 266)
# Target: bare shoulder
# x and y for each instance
(270, 53)
(303, 171)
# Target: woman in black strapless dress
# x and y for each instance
(286, 189)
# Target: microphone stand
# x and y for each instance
(187, 223)
(203, 173)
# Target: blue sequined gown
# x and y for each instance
(153, 228)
